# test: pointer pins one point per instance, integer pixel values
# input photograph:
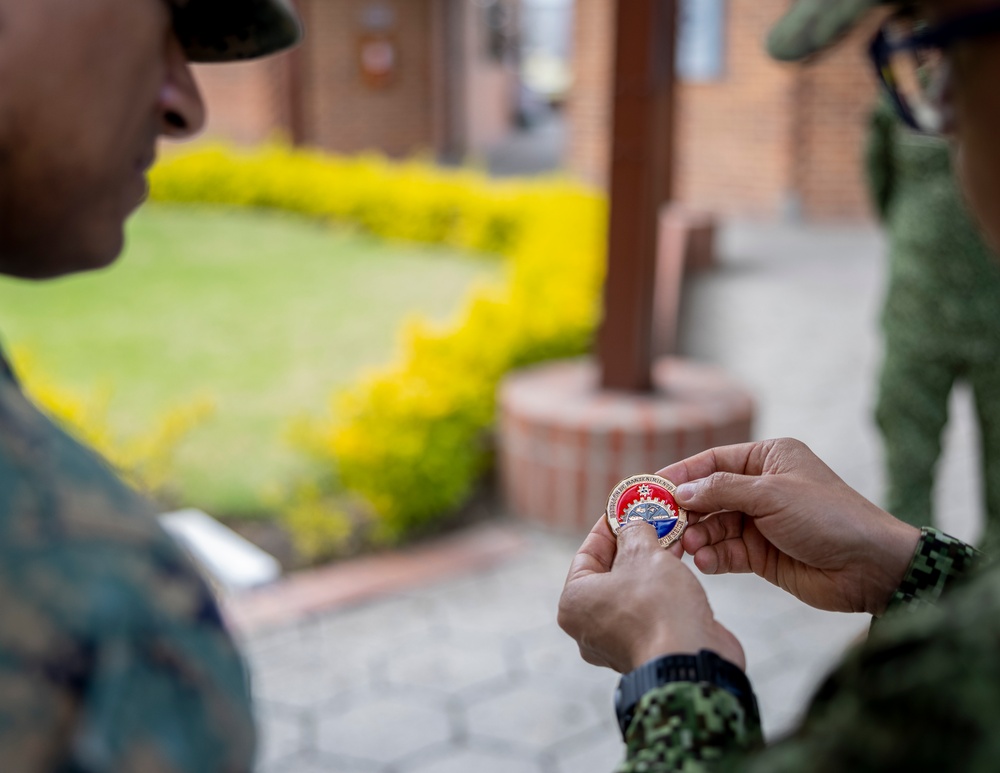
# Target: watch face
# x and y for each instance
(648, 498)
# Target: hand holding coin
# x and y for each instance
(780, 512)
(627, 600)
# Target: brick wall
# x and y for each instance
(247, 102)
(734, 134)
(835, 99)
(588, 104)
(488, 88)
(765, 140)
(340, 111)
(447, 95)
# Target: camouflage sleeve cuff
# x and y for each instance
(687, 726)
(939, 561)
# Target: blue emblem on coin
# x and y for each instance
(655, 513)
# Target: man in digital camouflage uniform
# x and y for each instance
(941, 318)
(923, 692)
(113, 656)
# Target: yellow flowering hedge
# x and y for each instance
(146, 458)
(414, 201)
(412, 439)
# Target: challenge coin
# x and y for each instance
(648, 498)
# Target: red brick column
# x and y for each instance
(564, 444)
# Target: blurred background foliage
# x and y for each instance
(278, 313)
(146, 456)
(263, 313)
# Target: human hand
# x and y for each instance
(777, 510)
(627, 601)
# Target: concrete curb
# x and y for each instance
(306, 593)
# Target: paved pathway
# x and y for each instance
(540, 148)
(470, 673)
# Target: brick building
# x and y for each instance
(754, 137)
(398, 76)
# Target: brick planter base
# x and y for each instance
(563, 444)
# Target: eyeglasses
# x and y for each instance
(911, 60)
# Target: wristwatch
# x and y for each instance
(706, 666)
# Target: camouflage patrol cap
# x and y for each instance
(812, 25)
(227, 30)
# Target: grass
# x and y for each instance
(265, 313)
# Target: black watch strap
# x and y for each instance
(706, 666)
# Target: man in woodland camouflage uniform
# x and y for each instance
(113, 656)
(923, 692)
(941, 317)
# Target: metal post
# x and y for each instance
(641, 182)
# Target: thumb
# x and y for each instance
(720, 491)
(637, 540)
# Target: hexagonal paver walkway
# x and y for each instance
(423, 691)
(448, 658)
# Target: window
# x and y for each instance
(499, 19)
(701, 43)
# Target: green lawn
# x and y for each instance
(265, 313)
